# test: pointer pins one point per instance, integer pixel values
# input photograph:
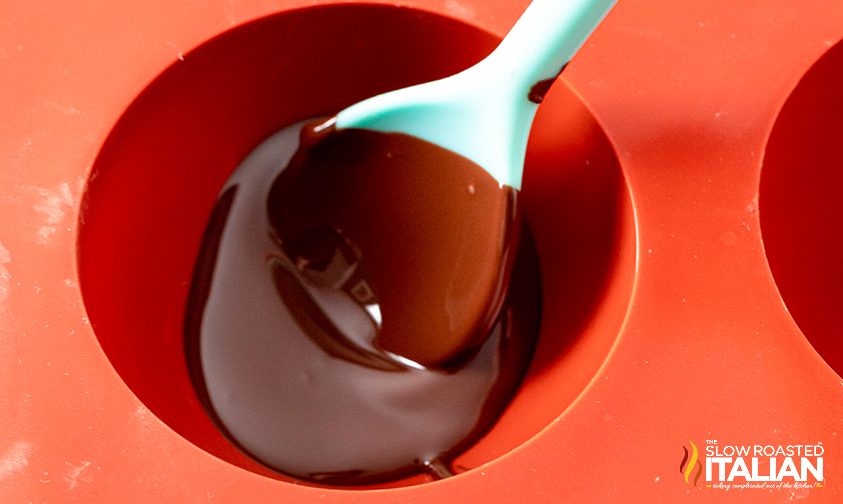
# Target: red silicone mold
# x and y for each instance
(683, 180)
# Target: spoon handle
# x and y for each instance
(485, 112)
(544, 39)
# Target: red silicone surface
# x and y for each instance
(683, 183)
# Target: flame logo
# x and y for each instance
(686, 467)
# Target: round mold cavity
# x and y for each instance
(159, 172)
(801, 205)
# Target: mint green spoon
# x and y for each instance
(485, 112)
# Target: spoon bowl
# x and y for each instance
(444, 303)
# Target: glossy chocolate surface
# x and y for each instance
(351, 318)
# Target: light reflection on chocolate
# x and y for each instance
(349, 320)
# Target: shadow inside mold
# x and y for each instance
(577, 204)
(801, 205)
(579, 210)
(158, 175)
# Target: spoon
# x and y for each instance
(485, 113)
(398, 216)
(351, 318)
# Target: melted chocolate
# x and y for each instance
(540, 89)
(414, 236)
(349, 320)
